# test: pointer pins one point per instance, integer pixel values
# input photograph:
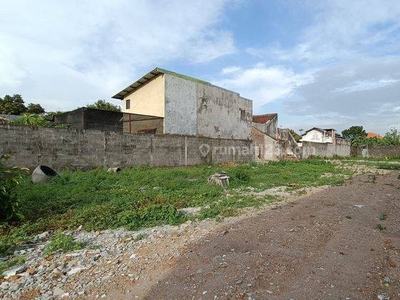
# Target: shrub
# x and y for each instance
(9, 179)
(240, 175)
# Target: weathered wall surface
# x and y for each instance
(376, 151)
(222, 113)
(180, 106)
(71, 148)
(266, 147)
(325, 150)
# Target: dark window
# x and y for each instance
(128, 104)
(242, 114)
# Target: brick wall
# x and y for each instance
(79, 149)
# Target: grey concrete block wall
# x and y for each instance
(376, 151)
(324, 150)
(78, 149)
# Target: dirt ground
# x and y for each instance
(339, 243)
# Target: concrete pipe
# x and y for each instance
(114, 170)
(43, 174)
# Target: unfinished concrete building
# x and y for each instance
(164, 102)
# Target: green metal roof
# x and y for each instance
(150, 76)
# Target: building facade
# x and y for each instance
(187, 106)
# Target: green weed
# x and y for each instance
(63, 242)
(11, 262)
(380, 227)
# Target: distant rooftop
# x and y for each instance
(371, 135)
(262, 119)
(10, 117)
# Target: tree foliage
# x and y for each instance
(295, 135)
(35, 109)
(354, 132)
(391, 138)
(12, 105)
(15, 105)
(32, 120)
(104, 105)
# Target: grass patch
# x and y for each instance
(389, 166)
(61, 242)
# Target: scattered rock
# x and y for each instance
(392, 263)
(5, 285)
(43, 236)
(75, 270)
(383, 296)
(58, 292)
(14, 271)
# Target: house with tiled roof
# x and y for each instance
(372, 135)
(319, 135)
(267, 123)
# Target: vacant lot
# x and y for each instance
(284, 241)
(143, 197)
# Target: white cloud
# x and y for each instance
(230, 70)
(362, 85)
(263, 84)
(65, 54)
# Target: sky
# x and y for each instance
(328, 64)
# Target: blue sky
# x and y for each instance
(316, 63)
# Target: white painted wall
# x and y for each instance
(315, 136)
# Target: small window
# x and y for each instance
(242, 114)
(128, 104)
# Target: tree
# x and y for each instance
(12, 105)
(35, 109)
(392, 137)
(354, 132)
(102, 104)
(295, 135)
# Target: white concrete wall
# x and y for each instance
(222, 113)
(180, 106)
